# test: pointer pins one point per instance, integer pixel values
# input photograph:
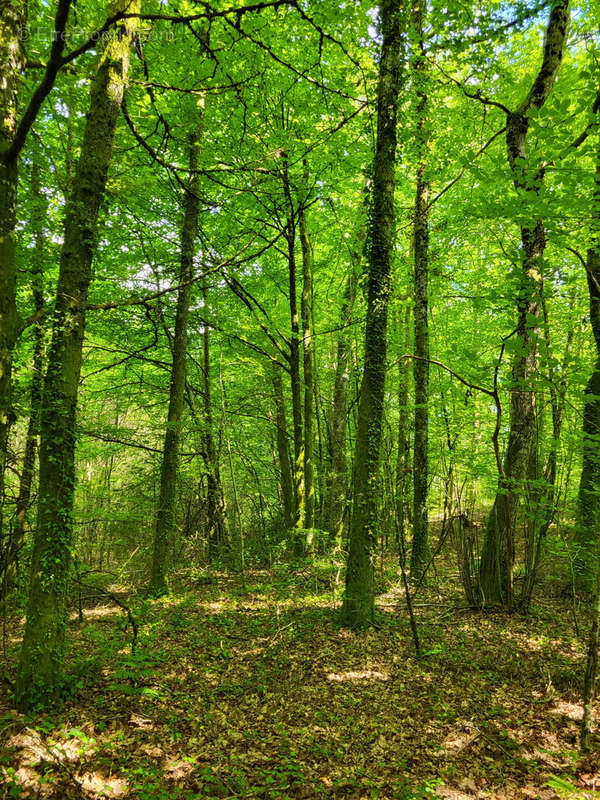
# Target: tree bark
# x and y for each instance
(497, 557)
(359, 600)
(420, 545)
(39, 670)
(165, 518)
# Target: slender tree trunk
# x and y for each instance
(338, 479)
(588, 500)
(13, 16)
(39, 670)
(305, 308)
(215, 498)
(497, 557)
(10, 560)
(402, 452)
(283, 450)
(420, 544)
(359, 600)
(296, 383)
(165, 518)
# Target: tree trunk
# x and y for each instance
(420, 545)
(296, 384)
(305, 309)
(497, 557)
(13, 17)
(359, 601)
(39, 670)
(283, 450)
(588, 499)
(165, 518)
(338, 479)
(402, 452)
(215, 498)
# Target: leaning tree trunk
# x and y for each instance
(165, 518)
(305, 310)
(359, 600)
(497, 557)
(420, 544)
(39, 670)
(588, 500)
(9, 565)
(13, 17)
(338, 478)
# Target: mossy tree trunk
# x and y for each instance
(39, 670)
(420, 543)
(403, 445)
(359, 601)
(165, 516)
(497, 557)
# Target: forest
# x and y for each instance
(299, 399)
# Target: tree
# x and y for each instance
(165, 518)
(497, 557)
(358, 608)
(420, 545)
(39, 671)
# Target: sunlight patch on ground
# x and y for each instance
(95, 786)
(362, 675)
(573, 711)
(96, 612)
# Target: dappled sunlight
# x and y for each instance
(357, 675)
(96, 612)
(572, 711)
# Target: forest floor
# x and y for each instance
(258, 693)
